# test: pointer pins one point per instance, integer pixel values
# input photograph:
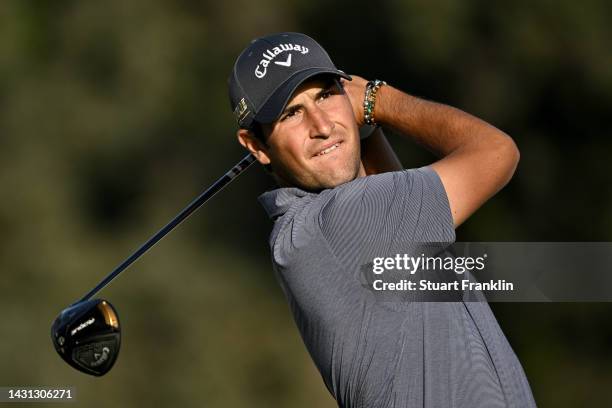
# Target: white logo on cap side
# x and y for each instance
(269, 55)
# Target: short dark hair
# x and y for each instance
(257, 130)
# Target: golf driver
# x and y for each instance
(87, 334)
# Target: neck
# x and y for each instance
(362, 172)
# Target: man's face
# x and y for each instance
(315, 143)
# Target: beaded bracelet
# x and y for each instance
(369, 101)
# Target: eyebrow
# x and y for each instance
(326, 87)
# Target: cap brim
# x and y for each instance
(274, 106)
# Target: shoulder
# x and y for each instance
(411, 204)
(367, 196)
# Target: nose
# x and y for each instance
(322, 126)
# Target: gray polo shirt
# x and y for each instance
(374, 353)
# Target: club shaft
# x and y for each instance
(186, 212)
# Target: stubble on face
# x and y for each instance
(314, 144)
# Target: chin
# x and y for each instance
(339, 181)
(316, 178)
(339, 178)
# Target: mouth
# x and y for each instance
(327, 149)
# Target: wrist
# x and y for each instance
(387, 104)
(369, 102)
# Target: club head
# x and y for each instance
(87, 336)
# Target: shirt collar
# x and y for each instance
(277, 202)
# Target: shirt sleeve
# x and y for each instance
(385, 212)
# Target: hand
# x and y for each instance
(355, 90)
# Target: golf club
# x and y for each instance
(87, 334)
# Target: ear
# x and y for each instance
(253, 145)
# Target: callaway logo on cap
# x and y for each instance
(269, 70)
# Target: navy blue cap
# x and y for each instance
(269, 70)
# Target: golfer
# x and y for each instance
(340, 198)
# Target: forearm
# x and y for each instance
(439, 128)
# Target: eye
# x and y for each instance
(325, 94)
(288, 115)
